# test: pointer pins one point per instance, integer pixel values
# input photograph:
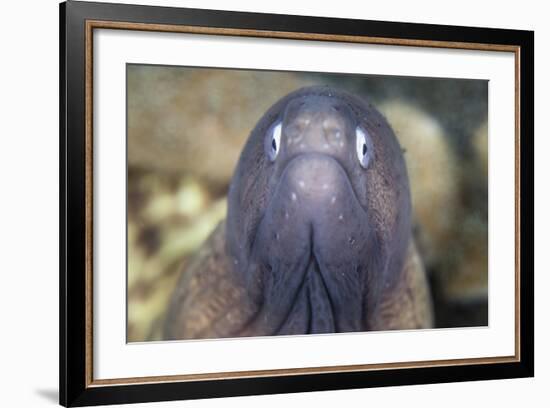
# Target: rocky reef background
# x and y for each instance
(186, 128)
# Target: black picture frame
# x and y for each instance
(76, 387)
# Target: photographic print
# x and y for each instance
(258, 204)
(264, 203)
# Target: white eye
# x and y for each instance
(274, 141)
(363, 147)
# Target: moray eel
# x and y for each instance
(318, 233)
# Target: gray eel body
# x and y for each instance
(318, 233)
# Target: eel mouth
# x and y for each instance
(312, 309)
(311, 242)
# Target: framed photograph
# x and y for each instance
(256, 203)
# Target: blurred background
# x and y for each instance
(186, 128)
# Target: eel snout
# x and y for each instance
(317, 127)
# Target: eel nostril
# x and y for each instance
(334, 136)
(294, 133)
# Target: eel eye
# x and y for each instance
(273, 141)
(363, 147)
